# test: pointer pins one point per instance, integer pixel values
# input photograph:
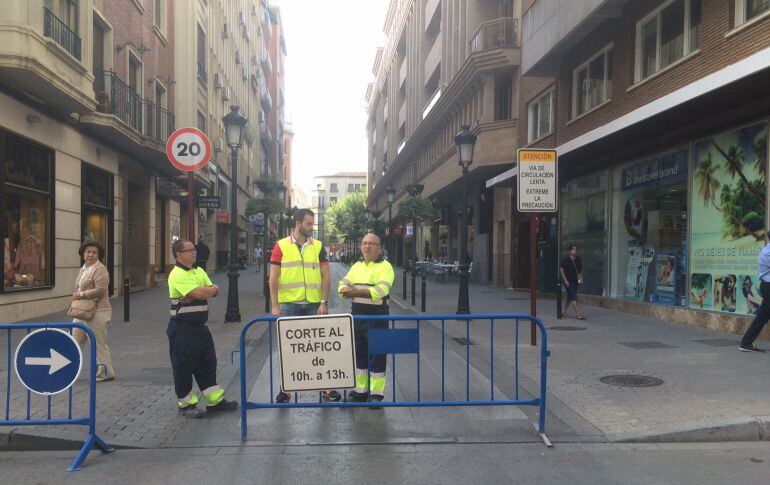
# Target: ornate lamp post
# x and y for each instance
(465, 142)
(391, 193)
(281, 192)
(234, 122)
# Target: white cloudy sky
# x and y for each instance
(330, 51)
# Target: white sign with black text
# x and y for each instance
(537, 180)
(317, 352)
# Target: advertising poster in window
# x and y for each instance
(728, 219)
(665, 277)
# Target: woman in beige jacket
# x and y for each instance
(93, 283)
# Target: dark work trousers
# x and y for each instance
(192, 353)
(361, 333)
(763, 315)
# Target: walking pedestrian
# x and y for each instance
(91, 305)
(368, 285)
(572, 275)
(763, 314)
(258, 257)
(191, 346)
(299, 279)
(203, 253)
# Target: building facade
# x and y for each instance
(90, 90)
(446, 64)
(659, 112)
(330, 189)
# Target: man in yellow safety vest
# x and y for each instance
(299, 279)
(368, 284)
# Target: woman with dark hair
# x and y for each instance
(571, 271)
(93, 283)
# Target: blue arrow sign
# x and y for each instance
(48, 361)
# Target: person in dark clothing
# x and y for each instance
(572, 276)
(203, 253)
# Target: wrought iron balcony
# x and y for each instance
(160, 122)
(495, 34)
(61, 33)
(122, 101)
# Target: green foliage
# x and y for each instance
(269, 186)
(270, 206)
(416, 208)
(347, 218)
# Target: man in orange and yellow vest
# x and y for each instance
(299, 279)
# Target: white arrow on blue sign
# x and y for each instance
(48, 361)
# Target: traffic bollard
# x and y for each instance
(406, 268)
(126, 298)
(414, 279)
(558, 299)
(423, 286)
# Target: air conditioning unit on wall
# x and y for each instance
(218, 80)
(218, 145)
(226, 30)
(226, 94)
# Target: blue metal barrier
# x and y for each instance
(400, 340)
(27, 415)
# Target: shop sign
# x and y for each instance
(222, 217)
(409, 230)
(537, 181)
(662, 170)
(208, 201)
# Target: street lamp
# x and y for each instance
(465, 142)
(281, 192)
(391, 193)
(234, 122)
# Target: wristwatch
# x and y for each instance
(324, 302)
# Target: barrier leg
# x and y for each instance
(92, 440)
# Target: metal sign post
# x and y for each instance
(536, 192)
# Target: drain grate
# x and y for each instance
(566, 328)
(647, 345)
(463, 341)
(631, 380)
(718, 342)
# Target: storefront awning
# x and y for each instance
(503, 177)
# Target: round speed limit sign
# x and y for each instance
(188, 149)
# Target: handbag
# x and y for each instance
(82, 309)
(579, 276)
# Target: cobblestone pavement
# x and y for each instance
(707, 382)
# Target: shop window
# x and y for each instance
(649, 237)
(592, 82)
(666, 35)
(729, 203)
(747, 10)
(583, 222)
(27, 229)
(539, 117)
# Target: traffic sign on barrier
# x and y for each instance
(48, 361)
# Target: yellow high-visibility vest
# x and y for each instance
(377, 277)
(300, 278)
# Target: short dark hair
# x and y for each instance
(178, 246)
(569, 248)
(88, 243)
(299, 215)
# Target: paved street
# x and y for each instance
(706, 394)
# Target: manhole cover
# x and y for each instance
(463, 341)
(631, 380)
(566, 328)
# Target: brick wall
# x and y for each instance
(131, 25)
(716, 52)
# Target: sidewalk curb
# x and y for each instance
(12, 440)
(746, 429)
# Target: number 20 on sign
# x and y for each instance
(188, 149)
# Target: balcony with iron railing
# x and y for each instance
(61, 33)
(160, 122)
(495, 34)
(121, 101)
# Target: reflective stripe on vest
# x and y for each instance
(300, 278)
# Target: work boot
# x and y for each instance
(223, 405)
(332, 396)
(354, 396)
(192, 412)
(282, 397)
(375, 398)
